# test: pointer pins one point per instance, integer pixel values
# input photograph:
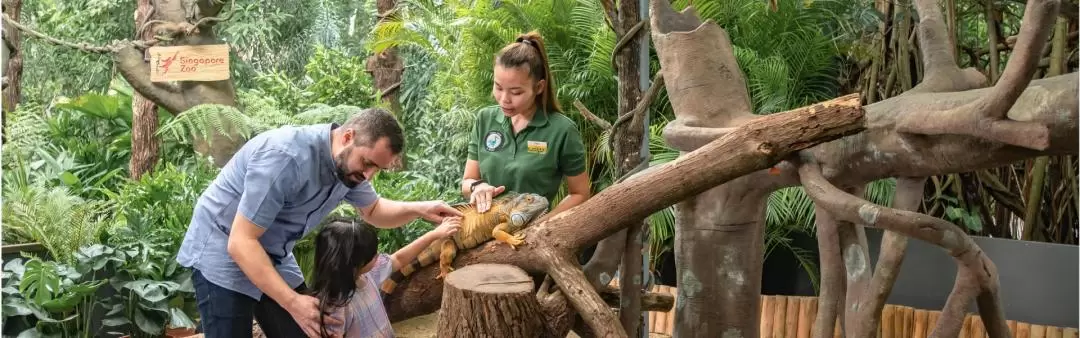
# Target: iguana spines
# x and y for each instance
(510, 212)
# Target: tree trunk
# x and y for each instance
(177, 21)
(144, 121)
(14, 65)
(490, 300)
(627, 136)
(386, 67)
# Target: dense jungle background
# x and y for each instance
(103, 221)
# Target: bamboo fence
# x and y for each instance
(793, 316)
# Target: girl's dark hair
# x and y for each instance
(528, 49)
(341, 250)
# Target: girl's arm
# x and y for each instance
(449, 226)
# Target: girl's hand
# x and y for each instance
(481, 196)
(449, 227)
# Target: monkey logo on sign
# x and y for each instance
(165, 63)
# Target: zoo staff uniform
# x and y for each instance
(533, 161)
(284, 181)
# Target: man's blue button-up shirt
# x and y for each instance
(284, 181)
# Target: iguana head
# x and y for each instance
(522, 208)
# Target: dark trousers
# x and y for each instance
(227, 314)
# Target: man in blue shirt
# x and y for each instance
(275, 189)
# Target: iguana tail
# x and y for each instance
(429, 256)
(425, 258)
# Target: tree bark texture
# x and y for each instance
(386, 67)
(490, 300)
(924, 132)
(144, 140)
(753, 147)
(14, 66)
(627, 136)
(177, 21)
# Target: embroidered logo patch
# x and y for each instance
(493, 141)
(538, 147)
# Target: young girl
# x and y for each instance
(349, 270)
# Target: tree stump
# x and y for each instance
(490, 300)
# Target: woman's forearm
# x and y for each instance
(571, 200)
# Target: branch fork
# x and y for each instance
(977, 275)
(986, 118)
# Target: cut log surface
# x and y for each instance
(490, 300)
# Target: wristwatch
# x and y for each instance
(472, 187)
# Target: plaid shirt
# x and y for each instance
(365, 315)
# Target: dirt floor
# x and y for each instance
(425, 327)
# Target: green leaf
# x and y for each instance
(954, 214)
(178, 319)
(115, 321)
(152, 291)
(973, 222)
(68, 178)
(14, 306)
(148, 323)
(30, 333)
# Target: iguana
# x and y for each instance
(510, 213)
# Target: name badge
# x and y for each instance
(538, 147)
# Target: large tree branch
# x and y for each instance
(986, 118)
(908, 196)
(83, 46)
(755, 146)
(882, 152)
(129, 61)
(979, 272)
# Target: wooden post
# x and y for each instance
(490, 300)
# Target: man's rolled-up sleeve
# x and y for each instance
(362, 195)
(270, 176)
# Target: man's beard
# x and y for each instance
(342, 172)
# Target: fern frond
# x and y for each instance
(204, 119)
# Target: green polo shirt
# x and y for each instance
(535, 160)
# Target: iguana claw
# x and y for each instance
(515, 240)
(444, 272)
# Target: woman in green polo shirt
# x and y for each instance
(524, 143)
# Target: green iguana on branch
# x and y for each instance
(510, 213)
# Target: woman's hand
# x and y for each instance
(449, 227)
(482, 194)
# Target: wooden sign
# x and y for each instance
(189, 63)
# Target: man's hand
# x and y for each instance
(305, 310)
(436, 211)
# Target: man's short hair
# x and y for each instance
(372, 124)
